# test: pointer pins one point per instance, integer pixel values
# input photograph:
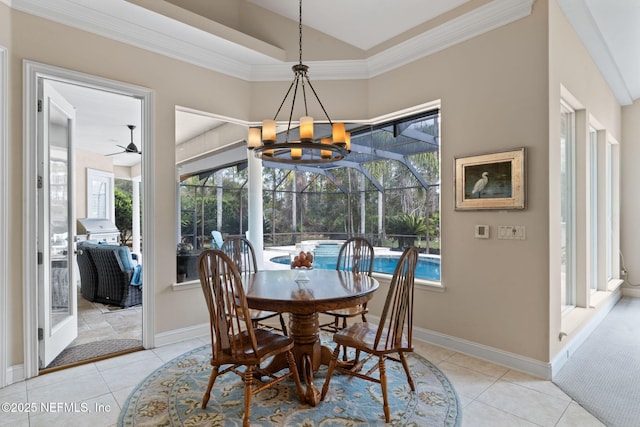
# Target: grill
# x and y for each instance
(97, 230)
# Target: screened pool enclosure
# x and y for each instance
(387, 189)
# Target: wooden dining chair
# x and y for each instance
(241, 252)
(387, 340)
(234, 341)
(356, 254)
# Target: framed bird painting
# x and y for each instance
(491, 181)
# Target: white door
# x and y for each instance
(57, 315)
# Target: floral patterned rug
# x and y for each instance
(171, 396)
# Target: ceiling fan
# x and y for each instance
(131, 148)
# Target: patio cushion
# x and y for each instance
(123, 253)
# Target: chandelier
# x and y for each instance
(305, 149)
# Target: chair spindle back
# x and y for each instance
(241, 252)
(398, 307)
(227, 304)
(356, 254)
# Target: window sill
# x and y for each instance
(183, 286)
(614, 284)
(427, 285)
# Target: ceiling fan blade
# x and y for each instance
(114, 154)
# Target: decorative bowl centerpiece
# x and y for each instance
(302, 260)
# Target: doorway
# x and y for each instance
(38, 268)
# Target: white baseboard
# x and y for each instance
(480, 351)
(15, 374)
(177, 335)
(631, 292)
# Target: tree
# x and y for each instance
(124, 212)
(406, 228)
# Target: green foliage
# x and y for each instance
(406, 228)
(124, 210)
(434, 226)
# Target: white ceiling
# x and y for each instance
(361, 23)
(609, 29)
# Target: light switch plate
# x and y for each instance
(511, 232)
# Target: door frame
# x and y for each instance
(4, 238)
(32, 72)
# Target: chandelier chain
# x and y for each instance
(300, 35)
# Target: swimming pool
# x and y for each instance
(427, 269)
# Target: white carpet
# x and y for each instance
(603, 375)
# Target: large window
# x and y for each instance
(593, 210)
(612, 208)
(588, 183)
(567, 200)
(100, 202)
(387, 190)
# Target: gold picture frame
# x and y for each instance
(491, 181)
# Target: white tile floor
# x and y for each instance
(490, 395)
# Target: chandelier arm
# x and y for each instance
(318, 99)
(304, 95)
(295, 79)
(293, 104)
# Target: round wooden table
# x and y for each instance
(304, 294)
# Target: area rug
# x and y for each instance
(93, 350)
(171, 396)
(603, 375)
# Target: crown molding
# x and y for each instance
(580, 17)
(131, 24)
(121, 20)
(479, 21)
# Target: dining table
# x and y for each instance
(304, 294)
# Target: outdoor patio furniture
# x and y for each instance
(217, 239)
(105, 274)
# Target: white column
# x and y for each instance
(135, 213)
(255, 233)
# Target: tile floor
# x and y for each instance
(490, 395)
(97, 322)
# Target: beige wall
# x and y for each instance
(571, 67)
(493, 91)
(174, 83)
(495, 96)
(630, 209)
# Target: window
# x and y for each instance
(389, 193)
(100, 194)
(593, 210)
(612, 208)
(567, 201)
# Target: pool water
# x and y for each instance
(427, 269)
